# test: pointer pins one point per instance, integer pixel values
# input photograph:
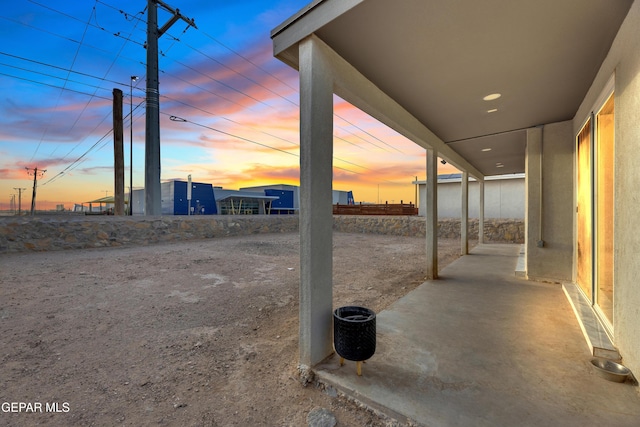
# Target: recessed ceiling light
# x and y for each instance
(486, 149)
(500, 166)
(492, 110)
(492, 96)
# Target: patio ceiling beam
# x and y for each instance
(308, 20)
(356, 89)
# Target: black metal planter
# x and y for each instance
(354, 334)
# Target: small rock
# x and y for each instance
(321, 417)
(330, 391)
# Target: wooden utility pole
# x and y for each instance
(118, 153)
(19, 199)
(35, 186)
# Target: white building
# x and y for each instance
(504, 196)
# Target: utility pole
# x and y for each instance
(133, 79)
(20, 190)
(153, 194)
(118, 153)
(35, 174)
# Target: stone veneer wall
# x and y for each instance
(44, 233)
(495, 230)
(80, 232)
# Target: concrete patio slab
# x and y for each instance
(483, 347)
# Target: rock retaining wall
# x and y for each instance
(79, 232)
(495, 230)
(42, 233)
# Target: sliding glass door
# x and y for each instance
(604, 209)
(595, 206)
(584, 211)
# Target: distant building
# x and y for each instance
(288, 201)
(289, 197)
(276, 199)
(504, 196)
(243, 202)
(174, 199)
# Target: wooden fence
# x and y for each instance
(386, 209)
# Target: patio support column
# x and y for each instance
(316, 214)
(431, 215)
(464, 215)
(481, 213)
(533, 195)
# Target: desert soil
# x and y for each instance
(198, 333)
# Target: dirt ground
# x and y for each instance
(198, 333)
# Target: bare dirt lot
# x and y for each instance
(198, 333)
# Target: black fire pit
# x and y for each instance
(354, 334)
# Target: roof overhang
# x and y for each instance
(437, 60)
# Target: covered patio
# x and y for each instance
(482, 347)
(491, 89)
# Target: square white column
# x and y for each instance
(481, 213)
(316, 211)
(464, 215)
(431, 215)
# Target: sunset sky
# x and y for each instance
(60, 61)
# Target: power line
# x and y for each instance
(245, 94)
(283, 97)
(131, 17)
(254, 129)
(248, 60)
(53, 76)
(53, 86)
(46, 130)
(106, 73)
(51, 33)
(104, 79)
(80, 43)
(181, 119)
(81, 158)
(220, 82)
(89, 24)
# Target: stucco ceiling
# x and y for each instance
(438, 59)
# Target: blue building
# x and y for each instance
(174, 198)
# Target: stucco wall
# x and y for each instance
(18, 234)
(624, 60)
(549, 246)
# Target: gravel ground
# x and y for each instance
(198, 333)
